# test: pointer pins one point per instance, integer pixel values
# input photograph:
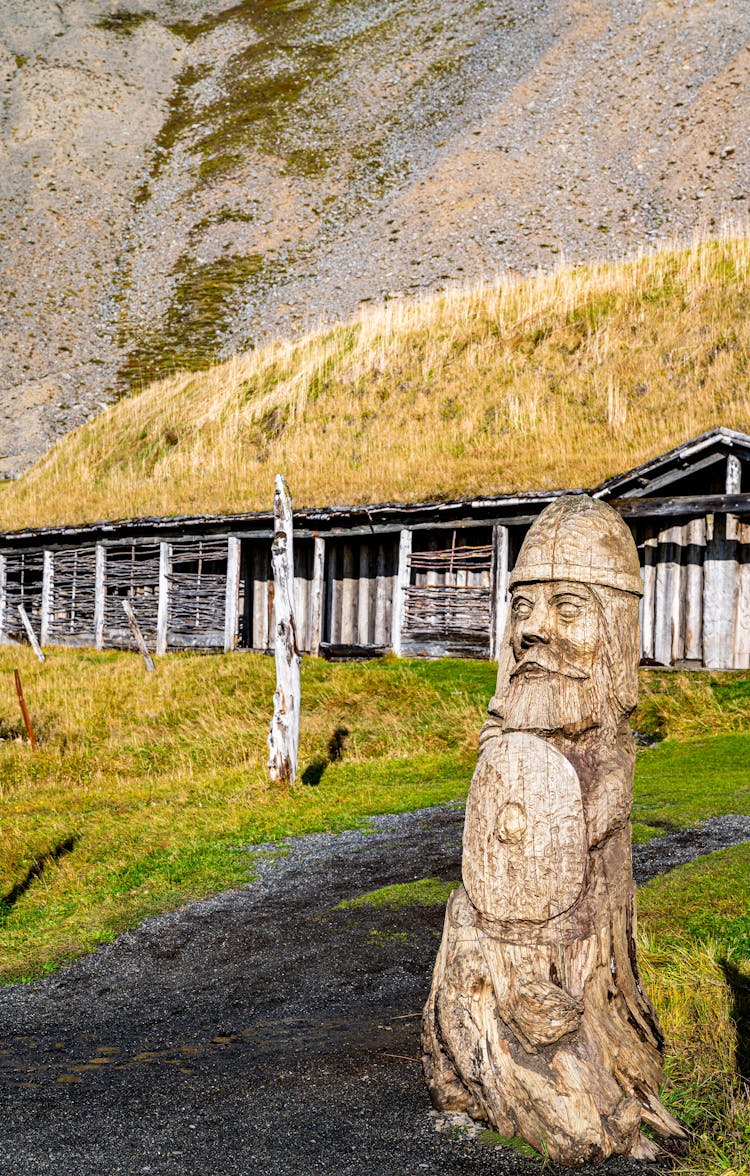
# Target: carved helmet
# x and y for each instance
(580, 539)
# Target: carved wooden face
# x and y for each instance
(555, 628)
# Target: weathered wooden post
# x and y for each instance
(100, 594)
(283, 738)
(138, 637)
(232, 600)
(537, 1021)
(48, 591)
(25, 621)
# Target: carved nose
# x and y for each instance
(535, 629)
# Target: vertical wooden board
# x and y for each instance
(348, 596)
(400, 589)
(695, 554)
(667, 571)
(382, 582)
(741, 652)
(733, 485)
(232, 602)
(334, 595)
(719, 578)
(260, 598)
(677, 598)
(317, 597)
(648, 600)
(162, 613)
(499, 587)
(301, 594)
(100, 594)
(48, 592)
(363, 595)
(3, 593)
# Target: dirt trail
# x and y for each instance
(262, 1030)
(183, 179)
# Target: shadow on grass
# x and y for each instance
(739, 987)
(9, 900)
(313, 773)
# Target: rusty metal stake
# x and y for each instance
(25, 712)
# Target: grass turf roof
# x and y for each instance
(558, 380)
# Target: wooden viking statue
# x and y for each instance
(537, 1021)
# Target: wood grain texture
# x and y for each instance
(537, 1021)
(283, 736)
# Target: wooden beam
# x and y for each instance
(500, 590)
(138, 637)
(733, 484)
(48, 591)
(30, 633)
(400, 589)
(3, 593)
(232, 602)
(162, 613)
(317, 590)
(100, 594)
(701, 504)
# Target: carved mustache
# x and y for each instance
(544, 660)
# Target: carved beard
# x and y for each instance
(553, 700)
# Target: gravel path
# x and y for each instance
(260, 1031)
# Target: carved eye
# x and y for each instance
(522, 608)
(568, 609)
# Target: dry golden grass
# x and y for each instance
(556, 381)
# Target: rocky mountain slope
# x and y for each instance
(181, 180)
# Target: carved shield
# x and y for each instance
(525, 844)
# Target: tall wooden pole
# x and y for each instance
(283, 738)
(231, 607)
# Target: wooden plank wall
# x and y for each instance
(132, 572)
(256, 594)
(359, 590)
(23, 585)
(73, 598)
(448, 608)
(695, 608)
(196, 586)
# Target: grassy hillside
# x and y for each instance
(558, 380)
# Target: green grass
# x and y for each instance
(707, 901)
(157, 777)
(425, 892)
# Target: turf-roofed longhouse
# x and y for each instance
(425, 579)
